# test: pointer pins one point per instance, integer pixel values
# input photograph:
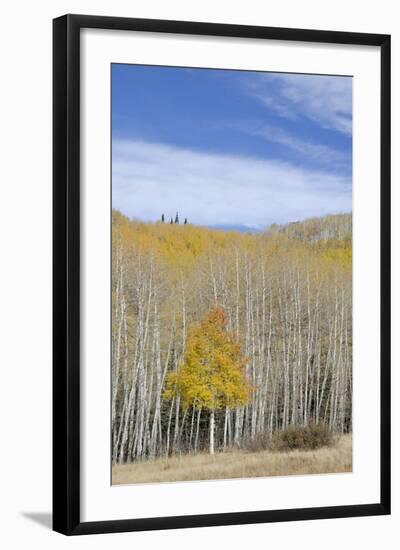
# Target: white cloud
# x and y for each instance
(214, 189)
(323, 154)
(326, 100)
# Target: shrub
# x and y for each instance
(308, 437)
(259, 442)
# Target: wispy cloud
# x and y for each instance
(326, 100)
(211, 189)
(304, 147)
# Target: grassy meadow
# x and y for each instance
(238, 464)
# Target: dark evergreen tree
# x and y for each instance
(185, 222)
(172, 221)
(177, 218)
(162, 218)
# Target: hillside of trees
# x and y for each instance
(221, 337)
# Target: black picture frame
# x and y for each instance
(66, 273)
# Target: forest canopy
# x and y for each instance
(267, 314)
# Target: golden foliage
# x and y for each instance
(212, 374)
(180, 247)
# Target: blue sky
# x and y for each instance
(230, 148)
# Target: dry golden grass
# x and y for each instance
(238, 464)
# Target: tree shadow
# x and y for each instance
(42, 518)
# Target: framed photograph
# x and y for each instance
(221, 274)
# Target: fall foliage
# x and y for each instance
(220, 336)
(212, 373)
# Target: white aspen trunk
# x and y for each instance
(226, 427)
(176, 427)
(169, 427)
(156, 428)
(213, 281)
(212, 430)
(181, 429)
(119, 319)
(191, 427)
(295, 355)
(196, 441)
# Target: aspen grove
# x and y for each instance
(222, 337)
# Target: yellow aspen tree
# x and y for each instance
(212, 375)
